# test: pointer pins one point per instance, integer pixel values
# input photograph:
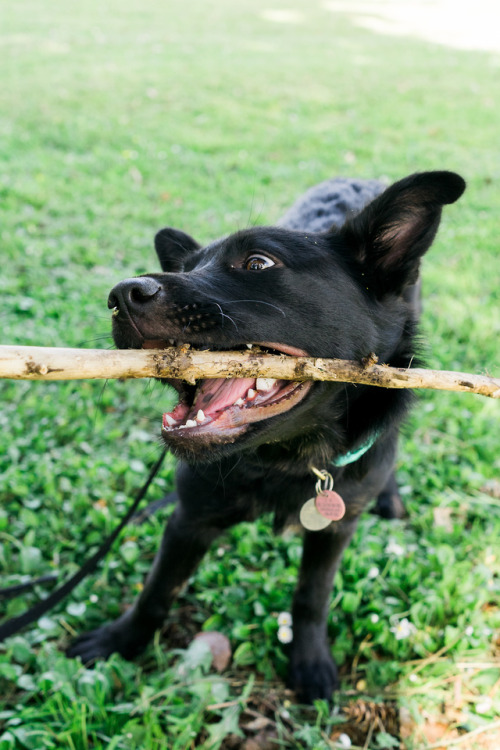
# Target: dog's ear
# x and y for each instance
(172, 247)
(391, 234)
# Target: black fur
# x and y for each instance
(347, 292)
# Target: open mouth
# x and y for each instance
(219, 409)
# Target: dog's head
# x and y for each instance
(344, 293)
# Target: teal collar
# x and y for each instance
(352, 456)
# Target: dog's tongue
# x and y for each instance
(215, 395)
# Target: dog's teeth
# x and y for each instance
(251, 393)
(191, 423)
(170, 420)
(171, 342)
(239, 402)
(249, 346)
(265, 384)
(200, 417)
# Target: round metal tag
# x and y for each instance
(330, 505)
(310, 518)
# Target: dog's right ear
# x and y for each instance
(172, 247)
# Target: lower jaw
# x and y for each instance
(188, 443)
(231, 424)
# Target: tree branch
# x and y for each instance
(46, 363)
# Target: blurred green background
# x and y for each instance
(119, 118)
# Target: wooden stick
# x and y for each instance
(46, 363)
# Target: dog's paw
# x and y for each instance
(313, 680)
(390, 506)
(100, 644)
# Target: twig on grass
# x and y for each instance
(47, 363)
(465, 737)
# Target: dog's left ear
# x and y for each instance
(391, 234)
(173, 248)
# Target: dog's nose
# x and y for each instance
(133, 293)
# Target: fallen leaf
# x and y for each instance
(492, 488)
(219, 646)
(442, 518)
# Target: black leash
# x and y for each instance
(10, 592)
(15, 624)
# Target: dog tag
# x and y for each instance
(310, 518)
(330, 505)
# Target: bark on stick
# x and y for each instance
(47, 363)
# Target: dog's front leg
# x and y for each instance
(312, 671)
(184, 543)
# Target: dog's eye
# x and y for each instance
(258, 263)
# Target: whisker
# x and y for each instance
(249, 220)
(98, 402)
(223, 314)
(104, 337)
(257, 301)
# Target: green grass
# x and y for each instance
(117, 119)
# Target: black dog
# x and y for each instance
(249, 446)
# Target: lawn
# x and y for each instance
(119, 118)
